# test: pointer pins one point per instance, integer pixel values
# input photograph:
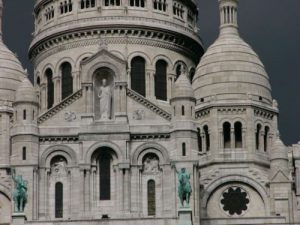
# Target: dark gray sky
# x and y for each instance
(271, 27)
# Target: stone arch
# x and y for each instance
(239, 119)
(179, 62)
(45, 68)
(152, 147)
(104, 144)
(165, 58)
(98, 65)
(140, 54)
(60, 62)
(212, 187)
(53, 151)
(5, 191)
(80, 58)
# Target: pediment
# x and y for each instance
(103, 59)
(103, 55)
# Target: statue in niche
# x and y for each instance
(151, 164)
(105, 98)
(58, 168)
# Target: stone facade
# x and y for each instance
(120, 104)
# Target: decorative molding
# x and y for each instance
(60, 106)
(263, 114)
(58, 139)
(232, 110)
(149, 105)
(202, 113)
(83, 38)
(144, 137)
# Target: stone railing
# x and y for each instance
(142, 100)
(60, 106)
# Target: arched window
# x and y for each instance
(238, 135)
(161, 80)
(192, 74)
(199, 138)
(207, 138)
(66, 80)
(183, 149)
(24, 153)
(138, 74)
(226, 135)
(38, 81)
(59, 200)
(151, 198)
(257, 136)
(50, 88)
(24, 114)
(105, 182)
(267, 129)
(178, 71)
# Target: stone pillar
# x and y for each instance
(152, 84)
(232, 138)
(43, 98)
(261, 141)
(185, 216)
(88, 97)
(42, 194)
(76, 84)
(244, 138)
(18, 219)
(87, 190)
(169, 86)
(221, 138)
(82, 190)
(126, 191)
(203, 142)
(57, 90)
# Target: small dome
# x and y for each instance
(11, 70)
(279, 150)
(26, 92)
(230, 70)
(11, 74)
(182, 88)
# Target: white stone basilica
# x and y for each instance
(123, 98)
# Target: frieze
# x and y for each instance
(263, 114)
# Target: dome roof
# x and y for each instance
(230, 70)
(182, 88)
(26, 92)
(11, 70)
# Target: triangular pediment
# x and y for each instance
(103, 55)
(279, 177)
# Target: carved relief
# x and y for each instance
(151, 164)
(58, 167)
(138, 114)
(70, 116)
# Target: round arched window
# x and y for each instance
(235, 201)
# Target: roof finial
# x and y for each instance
(228, 16)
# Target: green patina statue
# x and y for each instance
(20, 192)
(184, 188)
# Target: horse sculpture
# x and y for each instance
(20, 192)
(184, 188)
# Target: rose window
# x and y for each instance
(235, 201)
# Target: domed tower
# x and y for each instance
(11, 75)
(237, 120)
(152, 37)
(233, 91)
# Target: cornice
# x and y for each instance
(82, 38)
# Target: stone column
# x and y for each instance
(169, 86)
(261, 141)
(232, 138)
(87, 190)
(152, 84)
(82, 190)
(57, 90)
(221, 138)
(76, 84)
(43, 97)
(203, 142)
(244, 138)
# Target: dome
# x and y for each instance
(11, 70)
(230, 70)
(182, 88)
(26, 92)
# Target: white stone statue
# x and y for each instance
(105, 97)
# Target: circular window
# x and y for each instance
(235, 201)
